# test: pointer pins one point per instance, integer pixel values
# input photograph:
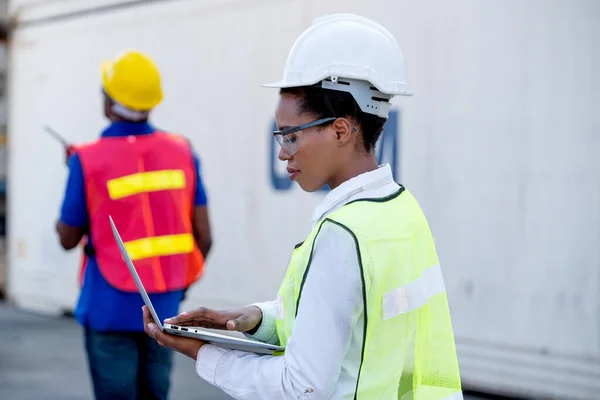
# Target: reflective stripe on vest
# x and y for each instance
(147, 184)
(160, 246)
(143, 182)
(408, 351)
(414, 295)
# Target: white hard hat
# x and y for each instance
(348, 53)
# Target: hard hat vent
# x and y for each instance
(368, 97)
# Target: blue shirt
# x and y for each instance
(101, 306)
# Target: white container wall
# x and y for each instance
(499, 143)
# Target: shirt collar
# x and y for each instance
(126, 128)
(347, 190)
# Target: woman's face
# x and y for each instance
(316, 157)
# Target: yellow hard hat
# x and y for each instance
(132, 80)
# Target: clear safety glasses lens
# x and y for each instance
(287, 143)
(287, 137)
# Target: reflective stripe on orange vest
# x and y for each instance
(143, 182)
(160, 246)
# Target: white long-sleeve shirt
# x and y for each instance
(323, 354)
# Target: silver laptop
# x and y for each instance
(225, 341)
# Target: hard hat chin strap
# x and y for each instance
(369, 99)
(128, 113)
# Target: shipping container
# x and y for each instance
(499, 144)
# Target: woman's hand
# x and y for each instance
(245, 319)
(183, 345)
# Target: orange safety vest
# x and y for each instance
(147, 184)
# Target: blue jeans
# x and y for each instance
(127, 365)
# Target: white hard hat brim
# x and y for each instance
(278, 84)
(281, 84)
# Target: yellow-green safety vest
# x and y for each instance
(408, 349)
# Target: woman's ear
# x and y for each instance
(343, 130)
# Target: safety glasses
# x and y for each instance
(287, 137)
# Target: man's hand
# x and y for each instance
(69, 150)
(183, 345)
(242, 320)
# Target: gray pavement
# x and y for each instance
(42, 358)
